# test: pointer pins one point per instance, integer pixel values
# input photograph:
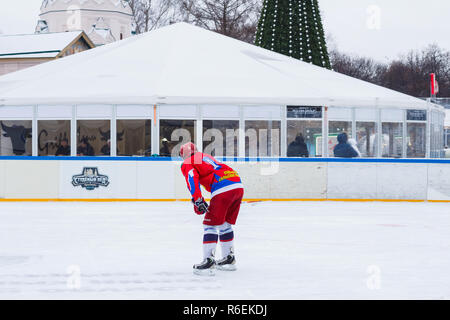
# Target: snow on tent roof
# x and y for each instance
(184, 64)
(43, 45)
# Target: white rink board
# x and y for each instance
(122, 180)
(402, 181)
(282, 180)
(438, 182)
(352, 180)
(31, 179)
(159, 180)
(307, 180)
(156, 180)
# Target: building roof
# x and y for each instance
(116, 5)
(42, 45)
(184, 64)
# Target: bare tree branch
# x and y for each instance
(409, 73)
(151, 14)
(234, 18)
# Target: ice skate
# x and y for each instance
(227, 264)
(206, 268)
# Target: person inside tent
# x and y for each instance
(85, 149)
(106, 149)
(447, 152)
(63, 149)
(298, 148)
(343, 149)
(226, 196)
(354, 145)
(165, 149)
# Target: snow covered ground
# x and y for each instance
(285, 250)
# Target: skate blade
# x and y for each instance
(205, 273)
(227, 267)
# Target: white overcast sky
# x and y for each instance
(381, 29)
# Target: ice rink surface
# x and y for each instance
(285, 250)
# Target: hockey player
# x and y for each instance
(226, 193)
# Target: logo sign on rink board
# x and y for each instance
(90, 179)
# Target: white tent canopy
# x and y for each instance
(183, 64)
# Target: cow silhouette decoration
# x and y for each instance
(107, 135)
(18, 136)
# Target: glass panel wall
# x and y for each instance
(437, 142)
(221, 137)
(134, 138)
(304, 138)
(366, 139)
(262, 138)
(447, 138)
(15, 137)
(93, 138)
(304, 131)
(392, 140)
(416, 140)
(54, 138)
(446, 153)
(173, 134)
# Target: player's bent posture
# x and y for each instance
(226, 197)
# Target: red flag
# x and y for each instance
(434, 85)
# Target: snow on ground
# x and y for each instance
(285, 250)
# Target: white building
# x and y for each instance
(22, 51)
(104, 21)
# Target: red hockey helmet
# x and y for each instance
(188, 150)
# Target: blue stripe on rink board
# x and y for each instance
(161, 159)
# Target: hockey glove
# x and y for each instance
(200, 206)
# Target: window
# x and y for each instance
(338, 127)
(416, 133)
(94, 137)
(304, 134)
(437, 138)
(134, 137)
(447, 138)
(173, 134)
(15, 138)
(416, 140)
(366, 139)
(335, 128)
(304, 138)
(221, 137)
(54, 138)
(392, 140)
(262, 138)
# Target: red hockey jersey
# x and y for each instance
(203, 169)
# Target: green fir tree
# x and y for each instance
(293, 28)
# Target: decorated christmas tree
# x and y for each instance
(293, 28)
